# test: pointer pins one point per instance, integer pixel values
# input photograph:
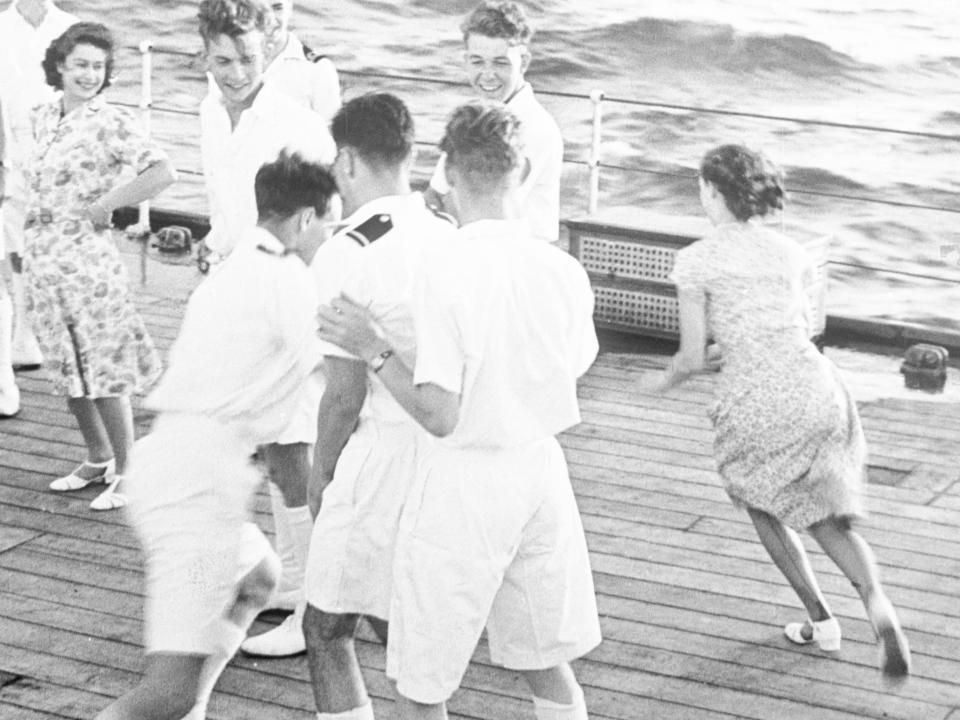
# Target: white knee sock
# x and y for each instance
(365, 712)
(549, 710)
(293, 527)
(6, 341)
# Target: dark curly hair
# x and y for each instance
(498, 20)
(232, 18)
(750, 184)
(377, 125)
(81, 33)
(483, 140)
(291, 182)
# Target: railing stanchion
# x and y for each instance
(596, 97)
(146, 101)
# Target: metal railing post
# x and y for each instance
(596, 97)
(146, 101)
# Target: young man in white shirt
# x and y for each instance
(367, 446)
(496, 37)
(27, 27)
(490, 533)
(247, 343)
(242, 126)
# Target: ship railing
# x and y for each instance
(594, 161)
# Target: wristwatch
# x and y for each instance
(377, 363)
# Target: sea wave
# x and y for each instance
(690, 44)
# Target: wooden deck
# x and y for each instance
(691, 607)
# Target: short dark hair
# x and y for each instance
(290, 183)
(483, 140)
(81, 33)
(751, 185)
(498, 20)
(232, 18)
(377, 125)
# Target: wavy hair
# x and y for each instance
(81, 33)
(751, 185)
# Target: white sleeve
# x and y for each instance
(440, 356)
(294, 316)
(325, 89)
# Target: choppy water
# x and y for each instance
(888, 63)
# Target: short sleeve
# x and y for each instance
(441, 359)
(129, 144)
(334, 269)
(691, 268)
(294, 314)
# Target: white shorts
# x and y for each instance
(350, 562)
(190, 484)
(303, 422)
(489, 537)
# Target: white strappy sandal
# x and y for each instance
(73, 481)
(110, 499)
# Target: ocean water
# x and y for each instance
(886, 63)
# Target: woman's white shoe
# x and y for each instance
(825, 633)
(73, 481)
(110, 499)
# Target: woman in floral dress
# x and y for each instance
(94, 344)
(789, 445)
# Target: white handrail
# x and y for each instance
(146, 102)
(596, 97)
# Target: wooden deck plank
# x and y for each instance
(692, 609)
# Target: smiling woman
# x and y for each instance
(93, 341)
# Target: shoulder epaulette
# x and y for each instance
(371, 230)
(272, 251)
(312, 55)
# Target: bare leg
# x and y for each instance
(289, 468)
(94, 433)
(787, 552)
(338, 685)
(167, 691)
(381, 628)
(117, 420)
(853, 556)
(556, 693)
(252, 594)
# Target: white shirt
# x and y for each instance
(232, 157)
(538, 198)
(247, 343)
(507, 322)
(313, 84)
(22, 80)
(380, 276)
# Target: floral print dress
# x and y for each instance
(788, 435)
(93, 341)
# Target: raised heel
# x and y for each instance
(825, 633)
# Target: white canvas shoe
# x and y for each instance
(825, 633)
(285, 640)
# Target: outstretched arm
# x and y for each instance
(349, 325)
(691, 358)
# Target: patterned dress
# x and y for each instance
(93, 341)
(788, 435)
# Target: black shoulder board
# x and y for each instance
(371, 229)
(312, 55)
(271, 251)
